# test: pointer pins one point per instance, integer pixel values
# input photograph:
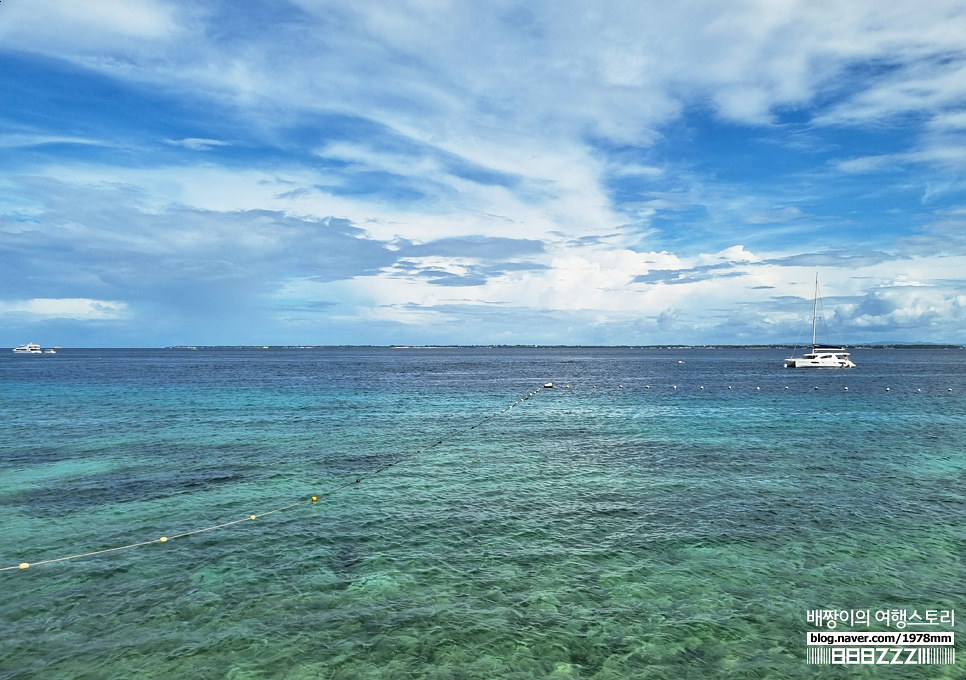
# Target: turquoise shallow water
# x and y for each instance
(639, 520)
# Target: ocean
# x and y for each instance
(658, 513)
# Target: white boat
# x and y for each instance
(50, 351)
(820, 356)
(30, 348)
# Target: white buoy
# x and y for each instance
(729, 387)
(888, 389)
(846, 389)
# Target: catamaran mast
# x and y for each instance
(815, 310)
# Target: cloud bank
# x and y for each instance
(413, 172)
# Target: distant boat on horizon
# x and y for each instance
(29, 348)
(820, 356)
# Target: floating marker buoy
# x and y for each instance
(846, 389)
(729, 387)
(163, 539)
(888, 389)
(918, 390)
(758, 388)
(816, 388)
(647, 387)
(786, 387)
(675, 386)
(23, 565)
(315, 498)
(950, 389)
(702, 387)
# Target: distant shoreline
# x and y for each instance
(709, 346)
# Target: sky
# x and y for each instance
(431, 172)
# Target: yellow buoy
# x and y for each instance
(24, 565)
(163, 539)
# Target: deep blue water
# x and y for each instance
(638, 520)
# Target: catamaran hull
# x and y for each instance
(818, 363)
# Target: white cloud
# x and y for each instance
(91, 26)
(949, 120)
(84, 309)
(635, 65)
(536, 97)
(734, 254)
(196, 143)
(26, 140)
(779, 215)
(907, 307)
(866, 164)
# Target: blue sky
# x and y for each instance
(434, 172)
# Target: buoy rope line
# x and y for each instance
(313, 499)
(770, 388)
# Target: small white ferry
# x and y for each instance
(820, 357)
(29, 348)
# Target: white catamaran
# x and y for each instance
(820, 356)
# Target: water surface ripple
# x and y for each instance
(645, 518)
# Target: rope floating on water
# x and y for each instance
(313, 499)
(959, 389)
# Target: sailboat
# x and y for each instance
(820, 356)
